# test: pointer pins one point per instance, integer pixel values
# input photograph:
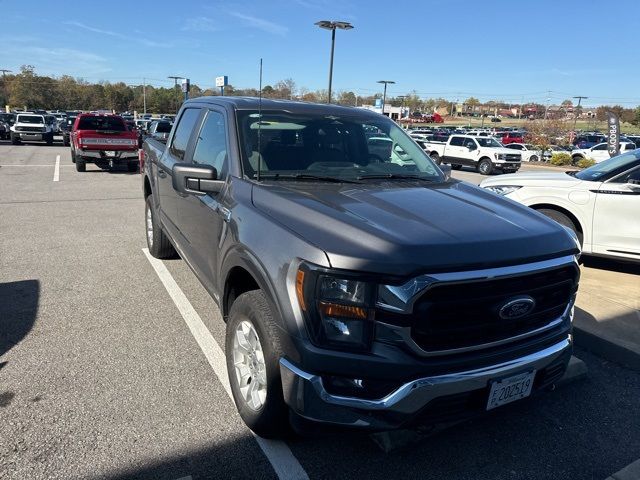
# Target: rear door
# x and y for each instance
(177, 150)
(203, 219)
(454, 149)
(599, 152)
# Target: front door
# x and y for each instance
(616, 217)
(203, 219)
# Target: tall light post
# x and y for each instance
(384, 95)
(175, 85)
(332, 25)
(576, 111)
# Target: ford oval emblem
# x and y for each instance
(517, 307)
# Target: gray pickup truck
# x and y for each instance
(359, 289)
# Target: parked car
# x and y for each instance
(103, 140)
(599, 152)
(509, 137)
(160, 130)
(65, 129)
(356, 292)
(585, 141)
(7, 120)
(599, 204)
(485, 154)
(31, 127)
(532, 153)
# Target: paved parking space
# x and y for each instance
(101, 376)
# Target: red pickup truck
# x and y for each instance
(103, 140)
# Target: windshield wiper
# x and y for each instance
(304, 176)
(394, 176)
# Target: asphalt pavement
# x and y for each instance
(103, 375)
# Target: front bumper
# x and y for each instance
(307, 397)
(30, 135)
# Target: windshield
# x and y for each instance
(610, 167)
(488, 142)
(351, 147)
(30, 119)
(101, 123)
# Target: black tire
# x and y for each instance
(456, 167)
(485, 167)
(73, 156)
(15, 140)
(576, 158)
(436, 158)
(159, 244)
(49, 139)
(81, 165)
(562, 219)
(271, 420)
(533, 158)
(132, 166)
(65, 141)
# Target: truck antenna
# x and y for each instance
(259, 122)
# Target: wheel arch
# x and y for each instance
(558, 208)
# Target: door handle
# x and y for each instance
(224, 212)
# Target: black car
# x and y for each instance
(65, 129)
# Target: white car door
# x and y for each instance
(616, 217)
(599, 153)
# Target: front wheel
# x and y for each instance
(485, 166)
(563, 220)
(253, 352)
(533, 158)
(15, 140)
(65, 141)
(436, 158)
(157, 241)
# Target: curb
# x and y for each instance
(630, 472)
(607, 349)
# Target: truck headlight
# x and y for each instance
(338, 310)
(503, 189)
(500, 156)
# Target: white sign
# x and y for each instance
(222, 81)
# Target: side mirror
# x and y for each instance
(195, 179)
(633, 182)
(446, 169)
(471, 146)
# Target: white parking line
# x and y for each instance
(277, 452)
(56, 170)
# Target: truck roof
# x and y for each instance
(252, 103)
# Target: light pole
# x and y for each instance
(384, 95)
(332, 25)
(4, 71)
(175, 84)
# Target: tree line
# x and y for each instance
(28, 89)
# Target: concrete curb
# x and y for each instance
(630, 472)
(606, 349)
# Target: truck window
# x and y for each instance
(457, 141)
(211, 148)
(183, 132)
(101, 123)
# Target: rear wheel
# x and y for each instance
(15, 140)
(563, 220)
(576, 158)
(436, 158)
(253, 351)
(81, 165)
(49, 139)
(65, 141)
(485, 166)
(158, 243)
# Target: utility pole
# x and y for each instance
(546, 110)
(575, 111)
(175, 85)
(144, 95)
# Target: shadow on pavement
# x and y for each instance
(611, 265)
(18, 310)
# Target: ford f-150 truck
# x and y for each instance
(357, 291)
(104, 140)
(485, 154)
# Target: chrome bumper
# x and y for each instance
(120, 155)
(307, 397)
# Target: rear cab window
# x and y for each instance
(97, 122)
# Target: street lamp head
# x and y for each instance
(332, 25)
(386, 81)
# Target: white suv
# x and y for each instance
(599, 152)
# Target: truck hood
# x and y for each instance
(401, 228)
(546, 179)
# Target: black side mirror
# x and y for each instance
(193, 179)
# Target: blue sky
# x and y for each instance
(502, 49)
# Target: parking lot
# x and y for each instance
(110, 364)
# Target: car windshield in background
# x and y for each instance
(163, 127)
(102, 123)
(334, 147)
(612, 166)
(30, 119)
(488, 142)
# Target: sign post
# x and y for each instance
(185, 86)
(222, 82)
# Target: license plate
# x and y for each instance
(510, 389)
(110, 153)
